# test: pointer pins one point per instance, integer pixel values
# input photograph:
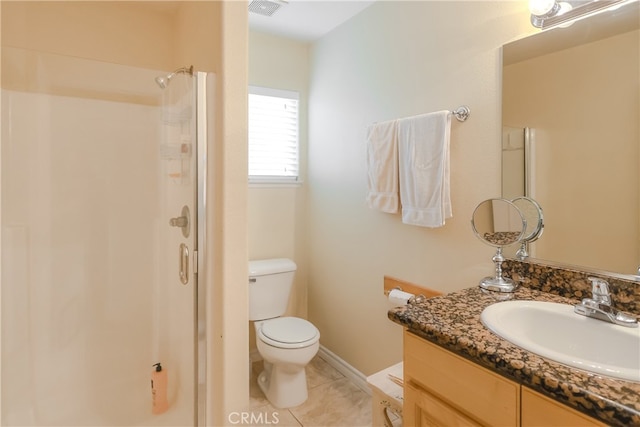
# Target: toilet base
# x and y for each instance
(284, 387)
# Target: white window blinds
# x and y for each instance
(273, 135)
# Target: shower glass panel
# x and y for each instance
(97, 286)
(513, 162)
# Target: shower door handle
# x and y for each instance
(183, 261)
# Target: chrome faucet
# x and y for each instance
(599, 306)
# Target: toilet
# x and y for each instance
(286, 344)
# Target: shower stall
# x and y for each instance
(102, 223)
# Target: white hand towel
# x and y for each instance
(382, 166)
(423, 147)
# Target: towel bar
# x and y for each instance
(461, 113)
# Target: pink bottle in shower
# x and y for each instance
(160, 404)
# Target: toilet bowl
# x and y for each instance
(286, 344)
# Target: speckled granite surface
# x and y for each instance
(572, 283)
(453, 322)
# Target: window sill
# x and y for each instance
(274, 183)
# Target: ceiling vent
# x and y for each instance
(265, 7)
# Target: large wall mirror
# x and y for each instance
(571, 120)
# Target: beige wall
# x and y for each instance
(1, 218)
(196, 39)
(586, 153)
(229, 191)
(398, 59)
(430, 56)
(94, 30)
(276, 216)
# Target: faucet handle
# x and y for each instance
(600, 290)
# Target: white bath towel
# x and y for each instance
(423, 152)
(382, 166)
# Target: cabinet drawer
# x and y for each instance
(467, 387)
(539, 410)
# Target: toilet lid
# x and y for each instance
(289, 330)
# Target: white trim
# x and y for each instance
(357, 377)
(254, 356)
(351, 373)
(280, 93)
(275, 184)
(530, 162)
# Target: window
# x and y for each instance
(273, 135)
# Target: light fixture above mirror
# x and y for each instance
(551, 13)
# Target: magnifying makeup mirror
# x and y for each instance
(498, 223)
(532, 213)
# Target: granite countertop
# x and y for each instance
(453, 321)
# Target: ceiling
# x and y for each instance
(306, 20)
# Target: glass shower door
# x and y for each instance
(97, 286)
(176, 293)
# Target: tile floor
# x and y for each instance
(334, 401)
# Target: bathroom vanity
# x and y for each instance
(456, 371)
(442, 388)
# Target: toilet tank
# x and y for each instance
(270, 282)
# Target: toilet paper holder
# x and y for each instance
(419, 293)
(413, 299)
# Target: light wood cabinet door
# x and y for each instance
(539, 410)
(443, 389)
(422, 409)
(475, 393)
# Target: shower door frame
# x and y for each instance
(205, 97)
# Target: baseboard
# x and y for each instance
(357, 377)
(254, 356)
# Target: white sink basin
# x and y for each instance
(554, 331)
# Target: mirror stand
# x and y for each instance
(522, 253)
(498, 283)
